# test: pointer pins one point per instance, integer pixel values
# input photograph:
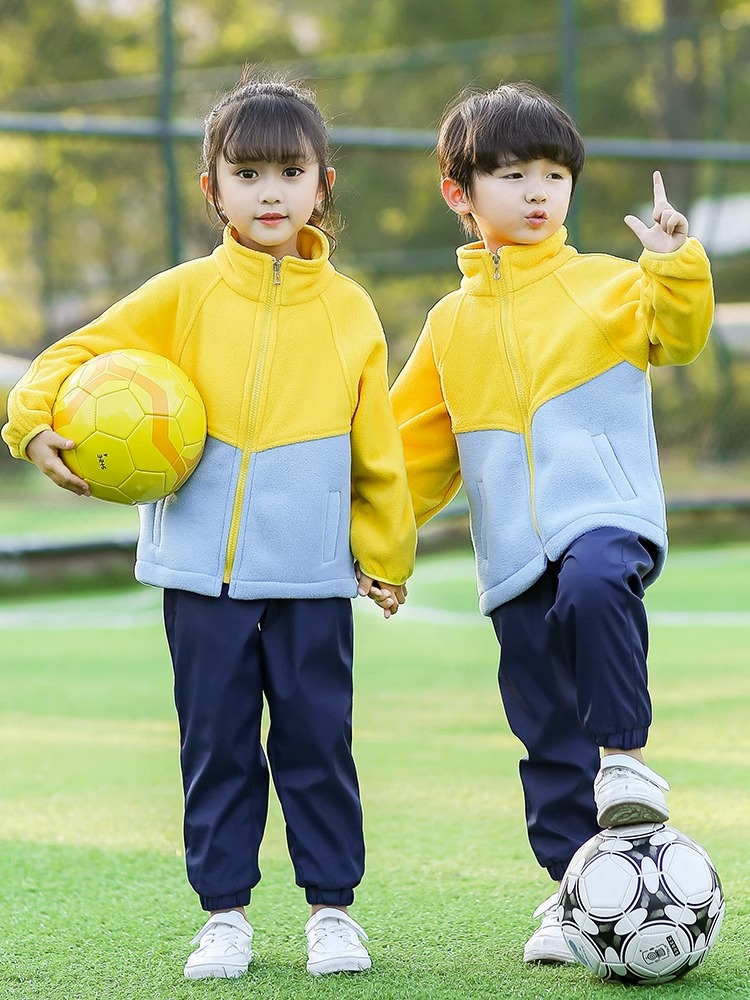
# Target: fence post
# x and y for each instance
(173, 205)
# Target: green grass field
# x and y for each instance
(94, 901)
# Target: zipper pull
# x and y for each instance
(496, 262)
(277, 272)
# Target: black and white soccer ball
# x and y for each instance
(641, 904)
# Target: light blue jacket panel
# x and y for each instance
(294, 527)
(595, 465)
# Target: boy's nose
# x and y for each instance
(536, 196)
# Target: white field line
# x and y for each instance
(142, 608)
(139, 608)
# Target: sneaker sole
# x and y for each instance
(215, 972)
(325, 968)
(631, 813)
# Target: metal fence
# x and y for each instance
(101, 104)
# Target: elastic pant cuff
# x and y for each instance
(557, 869)
(632, 740)
(316, 896)
(226, 902)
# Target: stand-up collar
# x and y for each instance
(516, 265)
(250, 273)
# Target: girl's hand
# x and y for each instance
(386, 596)
(671, 228)
(44, 451)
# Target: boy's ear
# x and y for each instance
(454, 197)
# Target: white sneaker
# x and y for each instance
(547, 943)
(225, 948)
(333, 943)
(627, 791)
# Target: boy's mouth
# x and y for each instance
(536, 219)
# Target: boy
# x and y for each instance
(530, 384)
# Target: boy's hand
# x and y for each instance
(671, 228)
(387, 597)
(44, 451)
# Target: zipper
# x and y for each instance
(252, 418)
(519, 387)
(496, 261)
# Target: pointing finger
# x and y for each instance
(660, 192)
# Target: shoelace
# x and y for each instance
(229, 934)
(341, 927)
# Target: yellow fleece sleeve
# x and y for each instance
(424, 422)
(383, 533)
(677, 303)
(143, 320)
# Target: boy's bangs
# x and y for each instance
(534, 135)
(269, 131)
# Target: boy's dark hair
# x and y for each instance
(272, 120)
(516, 121)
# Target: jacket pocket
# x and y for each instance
(156, 526)
(612, 467)
(478, 518)
(331, 528)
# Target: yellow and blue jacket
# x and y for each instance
(303, 469)
(530, 384)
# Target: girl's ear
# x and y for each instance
(206, 187)
(454, 197)
(331, 174)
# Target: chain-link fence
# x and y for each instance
(101, 103)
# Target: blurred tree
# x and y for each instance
(85, 218)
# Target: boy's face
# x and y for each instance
(519, 203)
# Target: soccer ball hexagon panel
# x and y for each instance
(138, 423)
(641, 904)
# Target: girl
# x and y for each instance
(302, 474)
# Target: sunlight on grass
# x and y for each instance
(91, 803)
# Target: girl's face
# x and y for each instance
(268, 203)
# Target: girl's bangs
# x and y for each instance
(269, 131)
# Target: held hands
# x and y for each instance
(44, 451)
(671, 228)
(387, 597)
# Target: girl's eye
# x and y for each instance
(292, 171)
(247, 174)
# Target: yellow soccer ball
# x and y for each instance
(138, 423)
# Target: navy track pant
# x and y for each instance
(227, 656)
(573, 678)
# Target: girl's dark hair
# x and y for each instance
(274, 121)
(516, 121)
